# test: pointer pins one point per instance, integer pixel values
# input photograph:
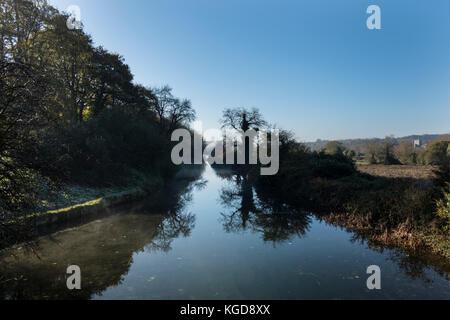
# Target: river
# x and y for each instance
(213, 240)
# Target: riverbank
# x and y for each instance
(396, 212)
(413, 241)
(419, 237)
(388, 205)
(72, 201)
(74, 205)
(88, 208)
(69, 205)
(27, 227)
(415, 246)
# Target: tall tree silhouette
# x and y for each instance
(242, 120)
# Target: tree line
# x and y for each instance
(389, 151)
(70, 112)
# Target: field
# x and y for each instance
(399, 171)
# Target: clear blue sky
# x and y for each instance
(310, 66)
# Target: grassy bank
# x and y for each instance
(70, 204)
(108, 199)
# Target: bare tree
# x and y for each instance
(404, 151)
(165, 101)
(373, 149)
(243, 119)
(181, 113)
(387, 154)
(172, 112)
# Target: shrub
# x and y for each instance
(437, 153)
(332, 167)
(443, 210)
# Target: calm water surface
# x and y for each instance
(216, 240)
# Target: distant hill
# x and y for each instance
(359, 145)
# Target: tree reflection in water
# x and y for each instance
(177, 221)
(276, 221)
